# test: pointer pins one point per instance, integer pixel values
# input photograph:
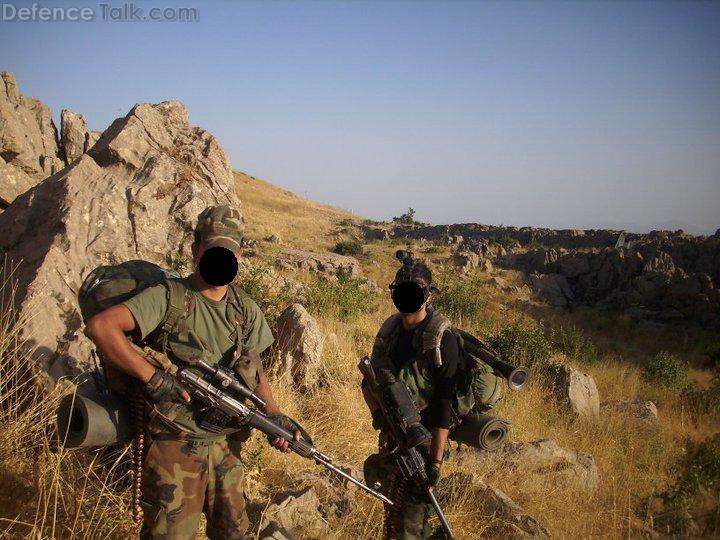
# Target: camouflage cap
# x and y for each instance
(221, 226)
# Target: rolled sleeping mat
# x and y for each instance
(481, 431)
(95, 420)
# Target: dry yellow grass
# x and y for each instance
(298, 222)
(69, 495)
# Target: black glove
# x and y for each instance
(163, 387)
(433, 472)
(288, 423)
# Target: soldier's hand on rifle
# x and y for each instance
(283, 421)
(433, 472)
(163, 387)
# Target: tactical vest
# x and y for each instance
(477, 388)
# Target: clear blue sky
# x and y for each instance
(563, 114)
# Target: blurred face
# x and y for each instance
(217, 266)
(409, 297)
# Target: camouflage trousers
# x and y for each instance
(184, 479)
(408, 518)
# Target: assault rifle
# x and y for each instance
(222, 402)
(403, 421)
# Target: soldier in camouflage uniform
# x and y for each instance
(188, 470)
(403, 346)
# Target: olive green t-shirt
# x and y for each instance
(207, 320)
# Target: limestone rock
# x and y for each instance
(536, 465)
(28, 137)
(272, 238)
(136, 195)
(575, 391)
(74, 135)
(330, 265)
(467, 260)
(552, 287)
(13, 182)
(300, 345)
(93, 137)
(298, 511)
(642, 410)
(508, 519)
(486, 266)
(275, 531)
(501, 284)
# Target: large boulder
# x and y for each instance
(538, 464)
(642, 410)
(299, 345)
(575, 391)
(28, 137)
(136, 195)
(466, 260)
(74, 135)
(553, 288)
(507, 519)
(329, 265)
(295, 512)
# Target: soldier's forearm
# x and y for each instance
(439, 441)
(117, 349)
(264, 391)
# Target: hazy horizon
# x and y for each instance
(555, 114)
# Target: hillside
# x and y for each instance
(616, 435)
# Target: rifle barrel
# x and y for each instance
(443, 520)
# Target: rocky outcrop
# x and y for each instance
(641, 410)
(553, 288)
(28, 137)
(329, 265)
(574, 391)
(299, 346)
(74, 135)
(476, 232)
(539, 464)
(136, 195)
(661, 276)
(507, 519)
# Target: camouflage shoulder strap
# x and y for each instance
(432, 337)
(384, 340)
(235, 313)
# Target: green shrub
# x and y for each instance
(713, 353)
(348, 247)
(460, 300)
(506, 241)
(261, 283)
(701, 472)
(572, 342)
(667, 370)
(520, 345)
(534, 245)
(407, 218)
(345, 299)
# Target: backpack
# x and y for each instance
(106, 286)
(478, 388)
